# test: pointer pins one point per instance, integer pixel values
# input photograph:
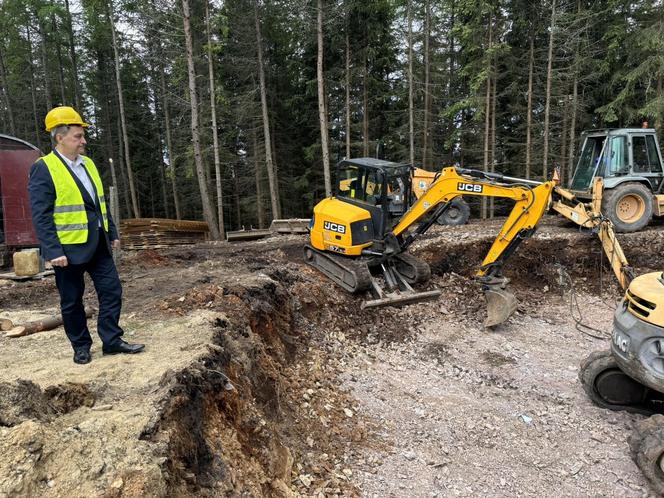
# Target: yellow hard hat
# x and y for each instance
(63, 115)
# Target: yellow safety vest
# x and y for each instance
(71, 219)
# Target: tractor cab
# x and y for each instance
(618, 156)
(381, 187)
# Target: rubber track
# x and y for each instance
(354, 270)
(422, 268)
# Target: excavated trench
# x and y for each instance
(262, 413)
(245, 421)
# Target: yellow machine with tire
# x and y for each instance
(630, 376)
(630, 163)
(362, 234)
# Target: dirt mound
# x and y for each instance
(24, 400)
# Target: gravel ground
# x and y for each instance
(471, 412)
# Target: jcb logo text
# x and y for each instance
(334, 227)
(470, 187)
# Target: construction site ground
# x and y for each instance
(261, 378)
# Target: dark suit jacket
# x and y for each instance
(42, 202)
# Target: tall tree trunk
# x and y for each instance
(529, 112)
(236, 197)
(260, 213)
(575, 96)
(162, 175)
(427, 70)
(108, 135)
(208, 212)
(215, 135)
(493, 135)
(411, 110)
(660, 91)
(487, 113)
(365, 107)
(269, 163)
(348, 132)
(547, 103)
(169, 142)
(44, 55)
(563, 147)
(114, 176)
(452, 58)
(33, 91)
(123, 119)
(72, 57)
(572, 130)
(5, 93)
(123, 168)
(322, 111)
(61, 78)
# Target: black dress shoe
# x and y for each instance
(82, 356)
(123, 347)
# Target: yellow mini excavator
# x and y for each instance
(363, 232)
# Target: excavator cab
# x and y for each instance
(381, 187)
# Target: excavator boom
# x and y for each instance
(531, 199)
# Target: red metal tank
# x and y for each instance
(16, 158)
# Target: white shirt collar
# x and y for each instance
(77, 161)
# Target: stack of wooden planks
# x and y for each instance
(155, 233)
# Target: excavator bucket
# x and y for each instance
(500, 304)
(399, 291)
(400, 298)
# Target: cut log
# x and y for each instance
(6, 324)
(38, 326)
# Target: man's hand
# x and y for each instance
(61, 261)
(115, 243)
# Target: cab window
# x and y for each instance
(653, 156)
(360, 184)
(373, 187)
(588, 161)
(617, 160)
(350, 182)
(644, 154)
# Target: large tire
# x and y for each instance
(646, 444)
(457, 214)
(609, 387)
(629, 206)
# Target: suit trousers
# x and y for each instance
(71, 286)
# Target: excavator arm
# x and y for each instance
(531, 200)
(589, 216)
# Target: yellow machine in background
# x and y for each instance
(365, 230)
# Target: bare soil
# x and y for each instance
(260, 378)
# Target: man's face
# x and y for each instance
(73, 142)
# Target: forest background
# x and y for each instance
(235, 111)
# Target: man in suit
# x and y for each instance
(76, 233)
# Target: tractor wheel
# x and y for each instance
(629, 206)
(609, 387)
(646, 445)
(457, 214)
